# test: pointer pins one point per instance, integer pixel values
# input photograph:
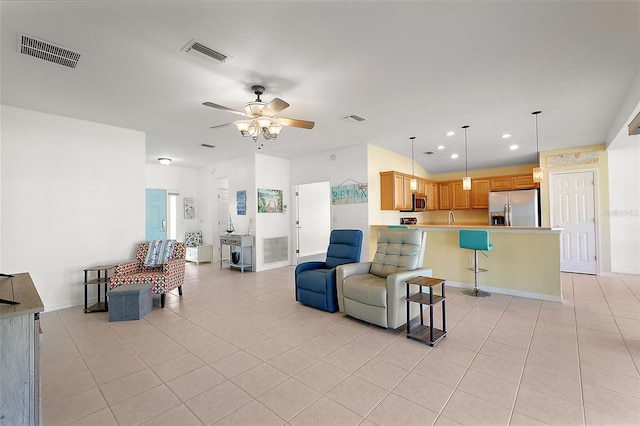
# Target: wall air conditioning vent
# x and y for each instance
(353, 118)
(194, 46)
(47, 51)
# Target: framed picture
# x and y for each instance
(269, 200)
(189, 208)
(241, 201)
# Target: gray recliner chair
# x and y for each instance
(375, 291)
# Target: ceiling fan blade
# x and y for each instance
(221, 125)
(274, 107)
(223, 108)
(292, 122)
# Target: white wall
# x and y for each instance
(624, 200)
(272, 173)
(337, 166)
(72, 197)
(181, 181)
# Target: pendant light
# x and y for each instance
(538, 173)
(466, 180)
(414, 182)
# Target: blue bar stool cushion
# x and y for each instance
(475, 239)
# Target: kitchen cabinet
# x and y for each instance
(395, 191)
(421, 186)
(523, 181)
(505, 183)
(460, 199)
(431, 192)
(501, 183)
(480, 193)
(444, 196)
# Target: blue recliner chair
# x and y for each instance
(316, 281)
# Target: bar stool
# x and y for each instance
(475, 240)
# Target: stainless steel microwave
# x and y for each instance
(418, 203)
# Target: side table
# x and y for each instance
(426, 333)
(97, 275)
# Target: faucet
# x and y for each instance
(452, 217)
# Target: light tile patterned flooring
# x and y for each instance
(237, 349)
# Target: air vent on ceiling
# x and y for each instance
(429, 152)
(207, 51)
(353, 118)
(206, 145)
(47, 51)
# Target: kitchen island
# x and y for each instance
(525, 261)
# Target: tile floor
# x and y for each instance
(237, 349)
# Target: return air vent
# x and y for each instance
(47, 51)
(194, 46)
(353, 118)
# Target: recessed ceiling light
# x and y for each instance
(450, 133)
(513, 147)
(440, 146)
(454, 156)
(505, 136)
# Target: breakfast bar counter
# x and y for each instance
(525, 261)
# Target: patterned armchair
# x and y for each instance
(164, 277)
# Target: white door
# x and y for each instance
(313, 221)
(574, 211)
(223, 218)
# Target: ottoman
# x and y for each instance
(130, 302)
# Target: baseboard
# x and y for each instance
(509, 292)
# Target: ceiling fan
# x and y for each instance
(260, 117)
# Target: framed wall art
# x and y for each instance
(269, 200)
(189, 208)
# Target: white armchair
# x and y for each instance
(375, 291)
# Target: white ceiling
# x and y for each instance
(416, 68)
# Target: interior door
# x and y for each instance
(313, 221)
(574, 211)
(156, 214)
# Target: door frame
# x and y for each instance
(596, 208)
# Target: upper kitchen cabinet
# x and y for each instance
(395, 191)
(444, 196)
(504, 183)
(523, 181)
(453, 197)
(431, 192)
(460, 199)
(480, 193)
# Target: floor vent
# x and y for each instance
(47, 51)
(194, 46)
(275, 250)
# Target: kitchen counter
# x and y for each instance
(525, 261)
(456, 226)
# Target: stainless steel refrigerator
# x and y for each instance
(514, 208)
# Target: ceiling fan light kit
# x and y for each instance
(261, 118)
